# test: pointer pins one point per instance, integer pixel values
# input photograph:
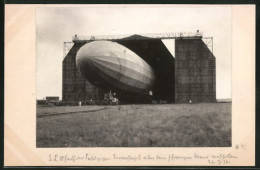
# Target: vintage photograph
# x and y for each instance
(133, 76)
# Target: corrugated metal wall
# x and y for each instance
(195, 72)
(74, 87)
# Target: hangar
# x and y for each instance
(187, 76)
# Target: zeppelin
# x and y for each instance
(110, 65)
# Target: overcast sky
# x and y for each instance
(55, 25)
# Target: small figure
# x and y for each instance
(190, 101)
(76, 37)
(79, 103)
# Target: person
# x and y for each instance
(76, 37)
(79, 103)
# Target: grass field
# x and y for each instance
(169, 125)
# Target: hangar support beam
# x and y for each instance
(179, 35)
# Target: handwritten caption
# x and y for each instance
(213, 159)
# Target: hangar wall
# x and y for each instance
(195, 72)
(74, 87)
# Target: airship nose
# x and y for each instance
(101, 61)
(97, 54)
(98, 62)
(113, 64)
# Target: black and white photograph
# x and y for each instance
(133, 76)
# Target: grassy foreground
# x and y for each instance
(170, 125)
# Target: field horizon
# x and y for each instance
(165, 125)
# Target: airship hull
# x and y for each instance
(111, 65)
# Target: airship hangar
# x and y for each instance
(139, 68)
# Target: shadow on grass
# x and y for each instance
(63, 113)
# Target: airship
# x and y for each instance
(110, 65)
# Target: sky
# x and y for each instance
(56, 25)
